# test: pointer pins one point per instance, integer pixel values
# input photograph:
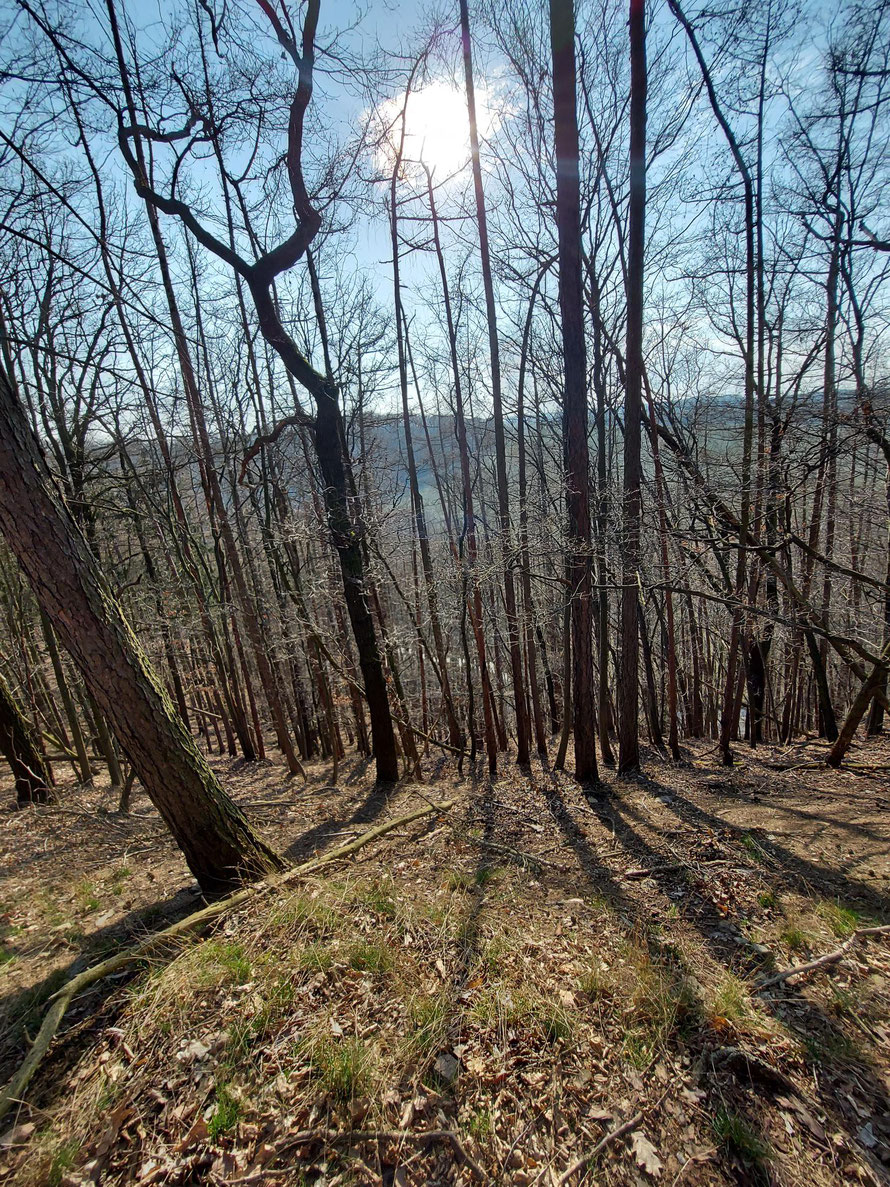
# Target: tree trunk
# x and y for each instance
(628, 682)
(218, 844)
(33, 782)
(574, 417)
(500, 447)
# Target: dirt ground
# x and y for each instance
(487, 995)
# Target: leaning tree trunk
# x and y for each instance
(33, 783)
(218, 843)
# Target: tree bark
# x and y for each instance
(628, 682)
(574, 416)
(33, 782)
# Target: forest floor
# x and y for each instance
(481, 996)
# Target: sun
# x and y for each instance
(437, 128)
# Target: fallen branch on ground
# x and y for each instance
(611, 1136)
(528, 861)
(419, 1137)
(828, 959)
(60, 1001)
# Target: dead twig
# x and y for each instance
(306, 1136)
(528, 861)
(618, 1132)
(828, 959)
(644, 872)
(12, 1094)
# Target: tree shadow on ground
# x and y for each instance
(851, 1078)
(21, 1011)
(356, 810)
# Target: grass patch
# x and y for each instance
(377, 896)
(316, 958)
(736, 1133)
(369, 957)
(659, 1003)
(594, 985)
(753, 848)
(85, 895)
(831, 1045)
(842, 920)
(62, 1160)
(343, 1068)
(486, 873)
(303, 912)
(226, 1113)
(767, 900)
(730, 1000)
(218, 962)
(795, 939)
(118, 878)
(480, 1124)
(428, 1019)
(504, 1008)
(458, 880)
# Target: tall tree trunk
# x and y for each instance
(574, 416)
(500, 446)
(455, 734)
(628, 682)
(468, 531)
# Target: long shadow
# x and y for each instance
(861, 830)
(596, 799)
(21, 1010)
(321, 836)
(806, 1019)
(799, 870)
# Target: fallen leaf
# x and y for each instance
(17, 1136)
(645, 1154)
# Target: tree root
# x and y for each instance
(828, 959)
(13, 1093)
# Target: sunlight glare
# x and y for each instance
(438, 131)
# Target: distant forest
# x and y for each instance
(487, 387)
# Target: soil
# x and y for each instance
(485, 995)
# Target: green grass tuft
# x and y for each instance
(226, 1113)
(736, 1133)
(369, 957)
(62, 1160)
(842, 920)
(343, 1067)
